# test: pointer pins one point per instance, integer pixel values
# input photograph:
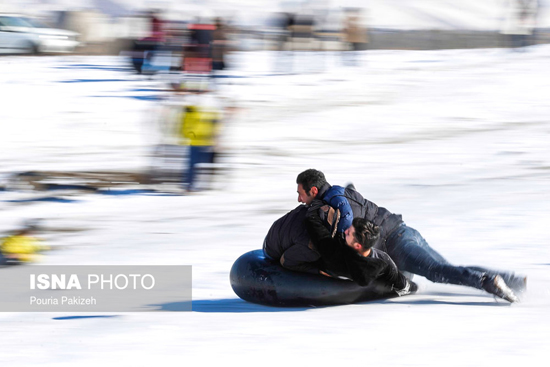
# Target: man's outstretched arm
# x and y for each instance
(392, 276)
(319, 234)
(340, 203)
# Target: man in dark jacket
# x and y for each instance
(349, 203)
(287, 241)
(353, 256)
(404, 244)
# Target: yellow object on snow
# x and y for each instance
(21, 247)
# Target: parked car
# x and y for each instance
(20, 34)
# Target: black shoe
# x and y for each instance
(496, 286)
(351, 186)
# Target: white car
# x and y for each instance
(19, 34)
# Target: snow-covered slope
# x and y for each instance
(456, 141)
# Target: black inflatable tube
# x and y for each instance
(258, 279)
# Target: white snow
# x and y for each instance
(456, 141)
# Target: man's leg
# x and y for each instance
(518, 283)
(204, 156)
(197, 154)
(413, 254)
(189, 174)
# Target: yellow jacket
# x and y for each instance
(21, 247)
(199, 126)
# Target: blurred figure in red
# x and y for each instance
(144, 50)
(198, 52)
(157, 27)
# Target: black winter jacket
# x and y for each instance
(342, 260)
(288, 242)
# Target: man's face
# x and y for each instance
(350, 237)
(303, 196)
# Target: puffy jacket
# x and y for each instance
(199, 126)
(342, 260)
(288, 242)
(352, 204)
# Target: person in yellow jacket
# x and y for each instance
(20, 247)
(199, 128)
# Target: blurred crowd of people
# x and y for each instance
(295, 29)
(202, 45)
(196, 47)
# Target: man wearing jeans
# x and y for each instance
(404, 244)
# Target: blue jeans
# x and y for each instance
(197, 154)
(411, 253)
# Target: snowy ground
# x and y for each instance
(456, 141)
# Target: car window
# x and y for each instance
(14, 22)
(35, 23)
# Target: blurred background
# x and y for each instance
(172, 132)
(186, 53)
(120, 97)
(181, 97)
(112, 26)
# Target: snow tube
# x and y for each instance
(258, 279)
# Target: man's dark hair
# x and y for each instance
(310, 178)
(366, 233)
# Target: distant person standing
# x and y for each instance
(355, 35)
(303, 41)
(201, 36)
(144, 50)
(282, 23)
(157, 27)
(219, 45)
(520, 20)
(200, 125)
